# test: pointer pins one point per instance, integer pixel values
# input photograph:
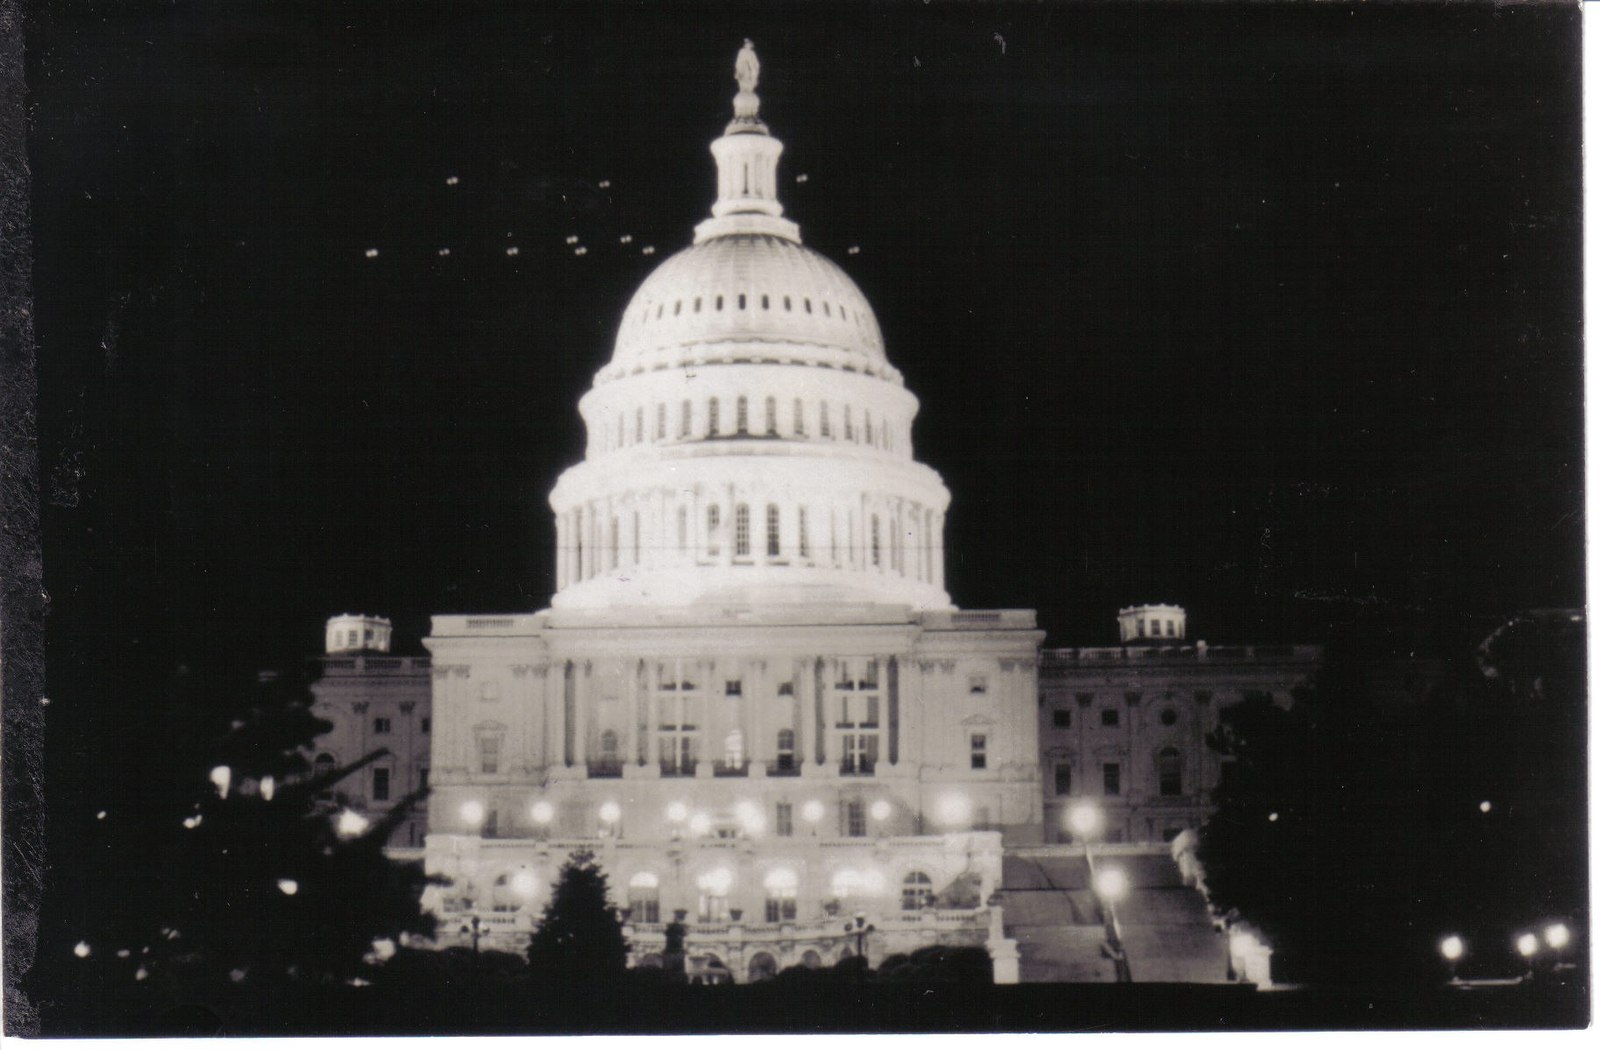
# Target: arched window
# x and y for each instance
(742, 415)
(808, 305)
(741, 300)
(805, 536)
(661, 420)
(765, 304)
(786, 304)
(826, 430)
(849, 429)
(741, 531)
(773, 537)
(772, 417)
(810, 960)
(763, 967)
(638, 425)
(1169, 771)
(677, 308)
(916, 892)
(711, 419)
(685, 418)
(785, 750)
(713, 525)
(866, 422)
(799, 418)
(609, 760)
(876, 560)
(781, 886)
(644, 897)
(697, 304)
(719, 302)
(324, 763)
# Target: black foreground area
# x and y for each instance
(826, 1007)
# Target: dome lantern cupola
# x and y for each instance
(747, 167)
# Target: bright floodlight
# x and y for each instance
(700, 824)
(351, 824)
(1452, 948)
(288, 887)
(954, 810)
(881, 809)
(1111, 884)
(610, 812)
(1557, 936)
(542, 812)
(1084, 819)
(751, 817)
(812, 811)
(717, 882)
(1527, 945)
(81, 949)
(222, 776)
(524, 882)
(677, 812)
(472, 812)
(1484, 806)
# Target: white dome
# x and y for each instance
(742, 293)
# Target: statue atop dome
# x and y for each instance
(747, 68)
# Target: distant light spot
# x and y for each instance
(351, 824)
(268, 786)
(444, 252)
(192, 822)
(854, 249)
(802, 178)
(123, 953)
(626, 238)
(100, 815)
(572, 238)
(372, 253)
(513, 250)
(648, 249)
(605, 184)
(451, 181)
(44, 701)
(580, 251)
(1272, 817)
(81, 949)
(1484, 806)
(288, 887)
(140, 974)
(235, 976)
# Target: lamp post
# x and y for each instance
(1528, 947)
(1085, 820)
(1453, 948)
(474, 927)
(860, 928)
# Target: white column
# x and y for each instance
(653, 706)
(580, 712)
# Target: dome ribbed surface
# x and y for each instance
(791, 294)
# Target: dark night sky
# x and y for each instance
(1270, 310)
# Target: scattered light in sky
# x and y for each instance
(626, 238)
(372, 253)
(605, 184)
(140, 974)
(444, 251)
(513, 250)
(222, 776)
(123, 953)
(451, 181)
(1272, 817)
(572, 238)
(192, 822)
(580, 251)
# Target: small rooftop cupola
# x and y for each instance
(1145, 624)
(358, 633)
(747, 167)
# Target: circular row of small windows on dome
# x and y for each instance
(795, 419)
(870, 533)
(662, 310)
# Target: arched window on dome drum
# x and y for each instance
(742, 416)
(799, 418)
(577, 539)
(849, 428)
(659, 308)
(636, 537)
(805, 536)
(697, 304)
(677, 308)
(661, 420)
(638, 425)
(741, 300)
(683, 530)
(827, 431)
(685, 418)
(719, 303)
(613, 543)
(876, 562)
(826, 309)
(774, 545)
(741, 531)
(787, 305)
(713, 524)
(844, 313)
(766, 304)
(866, 422)
(808, 304)
(772, 417)
(711, 419)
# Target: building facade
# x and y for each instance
(751, 694)
(375, 701)
(1126, 725)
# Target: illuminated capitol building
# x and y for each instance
(751, 695)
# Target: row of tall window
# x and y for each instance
(780, 889)
(748, 420)
(747, 301)
(1169, 775)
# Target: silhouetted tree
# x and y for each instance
(579, 939)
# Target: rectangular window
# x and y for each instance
(742, 415)
(855, 819)
(783, 824)
(741, 531)
(780, 905)
(1110, 716)
(713, 523)
(489, 754)
(827, 431)
(773, 537)
(685, 418)
(1061, 718)
(772, 417)
(1111, 778)
(799, 418)
(427, 724)
(734, 687)
(980, 751)
(711, 419)
(380, 725)
(805, 536)
(380, 785)
(661, 420)
(1063, 778)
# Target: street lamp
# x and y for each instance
(474, 927)
(542, 813)
(860, 927)
(610, 818)
(811, 813)
(1528, 947)
(1452, 948)
(1085, 820)
(1557, 936)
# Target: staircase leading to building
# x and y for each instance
(1055, 918)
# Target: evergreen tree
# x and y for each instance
(579, 939)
